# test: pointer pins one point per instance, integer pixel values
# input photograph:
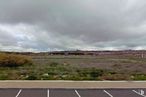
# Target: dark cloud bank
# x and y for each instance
(44, 25)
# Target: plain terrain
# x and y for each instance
(78, 67)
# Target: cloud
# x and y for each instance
(72, 24)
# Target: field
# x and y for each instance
(78, 67)
(101, 62)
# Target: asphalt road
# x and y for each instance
(72, 92)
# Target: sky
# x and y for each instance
(50, 25)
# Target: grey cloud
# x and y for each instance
(75, 24)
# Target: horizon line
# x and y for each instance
(69, 50)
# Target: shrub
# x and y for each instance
(139, 77)
(3, 76)
(11, 60)
(54, 64)
(90, 73)
(31, 77)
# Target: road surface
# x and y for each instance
(46, 92)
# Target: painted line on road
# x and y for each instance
(77, 93)
(48, 93)
(139, 93)
(107, 93)
(18, 93)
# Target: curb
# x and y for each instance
(71, 84)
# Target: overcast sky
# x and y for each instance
(46, 25)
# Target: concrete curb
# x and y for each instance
(71, 84)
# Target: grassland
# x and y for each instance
(77, 67)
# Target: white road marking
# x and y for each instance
(107, 93)
(48, 93)
(139, 93)
(18, 93)
(77, 93)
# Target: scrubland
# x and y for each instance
(73, 67)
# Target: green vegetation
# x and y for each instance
(18, 67)
(139, 76)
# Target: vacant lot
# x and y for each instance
(77, 67)
(128, 64)
(114, 67)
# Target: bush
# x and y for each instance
(139, 77)
(31, 77)
(90, 73)
(11, 60)
(54, 64)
